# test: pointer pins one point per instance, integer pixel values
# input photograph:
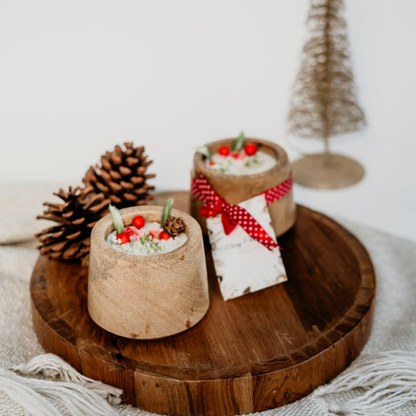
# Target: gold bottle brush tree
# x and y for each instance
(324, 102)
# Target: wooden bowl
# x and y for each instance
(238, 188)
(147, 297)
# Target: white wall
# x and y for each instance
(78, 76)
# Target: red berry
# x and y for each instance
(123, 237)
(212, 163)
(153, 234)
(235, 155)
(138, 222)
(250, 149)
(129, 231)
(224, 151)
(164, 235)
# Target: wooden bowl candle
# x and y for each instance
(235, 183)
(147, 296)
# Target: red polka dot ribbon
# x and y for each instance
(233, 215)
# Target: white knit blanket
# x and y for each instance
(394, 327)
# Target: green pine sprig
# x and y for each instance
(117, 219)
(239, 143)
(204, 150)
(166, 210)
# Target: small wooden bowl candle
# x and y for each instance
(150, 296)
(238, 188)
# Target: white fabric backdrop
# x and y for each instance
(394, 327)
(78, 77)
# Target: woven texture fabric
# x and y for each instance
(395, 316)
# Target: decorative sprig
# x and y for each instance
(253, 161)
(166, 210)
(239, 143)
(204, 150)
(117, 219)
(149, 243)
(147, 238)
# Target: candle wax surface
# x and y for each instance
(243, 164)
(143, 244)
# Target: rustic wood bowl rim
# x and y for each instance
(105, 226)
(274, 149)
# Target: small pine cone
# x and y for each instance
(121, 176)
(174, 226)
(75, 217)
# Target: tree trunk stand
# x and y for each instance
(248, 354)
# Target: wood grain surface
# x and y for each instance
(147, 297)
(248, 354)
(238, 188)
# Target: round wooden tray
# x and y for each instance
(252, 353)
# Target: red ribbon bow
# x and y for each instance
(233, 215)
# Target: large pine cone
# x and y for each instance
(76, 216)
(122, 177)
(174, 226)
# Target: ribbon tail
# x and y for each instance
(240, 216)
(227, 224)
(210, 210)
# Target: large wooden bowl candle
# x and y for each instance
(149, 296)
(238, 188)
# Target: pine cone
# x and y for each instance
(174, 226)
(76, 216)
(122, 177)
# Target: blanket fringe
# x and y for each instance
(388, 378)
(388, 381)
(52, 367)
(66, 387)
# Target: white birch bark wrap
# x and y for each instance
(244, 265)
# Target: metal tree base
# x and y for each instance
(327, 171)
